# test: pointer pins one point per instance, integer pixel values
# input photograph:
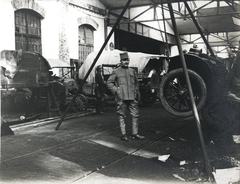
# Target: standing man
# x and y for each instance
(234, 93)
(99, 90)
(124, 85)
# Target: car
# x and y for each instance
(208, 78)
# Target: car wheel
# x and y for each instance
(175, 96)
(80, 104)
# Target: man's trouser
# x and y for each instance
(132, 105)
(98, 103)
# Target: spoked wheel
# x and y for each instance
(175, 96)
(80, 104)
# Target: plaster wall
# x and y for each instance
(60, 29)
(111, 40)
(59, 25)
(77, 17)
(50, 29)
(7, 38)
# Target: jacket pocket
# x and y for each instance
(132, 78)
(122, 80)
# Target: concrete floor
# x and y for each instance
(88, 149)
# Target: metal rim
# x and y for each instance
(175, 96)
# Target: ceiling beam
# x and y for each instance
(211, 43)
(141, 13)
(198, 16)
(152, 2)
(201, 7)
(231, 7)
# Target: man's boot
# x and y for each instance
(123, 128)
(135, 134)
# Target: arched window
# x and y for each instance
(28, 31)
(85, 40)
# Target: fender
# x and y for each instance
(194, 62)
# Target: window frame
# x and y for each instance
(86, 47)
(28, 17)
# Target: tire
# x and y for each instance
(80, 104)
(174, 94)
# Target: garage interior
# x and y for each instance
(192, 24)
(146, 26)
(219, 22)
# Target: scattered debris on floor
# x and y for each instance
(184, 162)
(163, 158)
(236, 139)
(229, 175)
(183, 139)
(178, 177)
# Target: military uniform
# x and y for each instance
(124, 84)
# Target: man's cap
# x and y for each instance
(99, 67)
(124, 55)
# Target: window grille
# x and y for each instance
(86, 41)
(28, 31)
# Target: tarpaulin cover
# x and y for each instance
(137, 59)
(57, 63)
